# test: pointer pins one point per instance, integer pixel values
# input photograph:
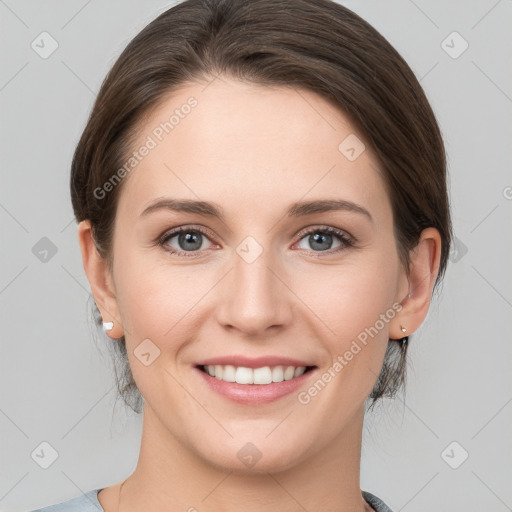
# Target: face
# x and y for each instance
(268, 278)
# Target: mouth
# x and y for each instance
(264, 375)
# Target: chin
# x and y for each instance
(251, 457)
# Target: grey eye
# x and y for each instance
(187, 240)
(320, 240)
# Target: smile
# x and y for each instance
(255, 386)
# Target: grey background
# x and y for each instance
(57, 383)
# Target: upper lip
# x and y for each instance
(253, 362)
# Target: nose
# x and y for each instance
(254, 296)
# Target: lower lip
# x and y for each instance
(255, 394)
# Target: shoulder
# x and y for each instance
(376, 503)
(87, 502)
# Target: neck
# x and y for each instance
(170, 477)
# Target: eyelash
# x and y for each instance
(346, 241)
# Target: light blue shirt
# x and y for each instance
(88, 502)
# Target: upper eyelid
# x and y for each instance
(319, 227)
(176, 231)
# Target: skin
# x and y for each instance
(253, 150)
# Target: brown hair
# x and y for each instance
(316, 45)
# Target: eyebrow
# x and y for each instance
(299, 209)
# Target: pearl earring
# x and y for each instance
(405, 339)
(108, 326)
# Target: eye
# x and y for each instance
(321, 239)
(189, 241)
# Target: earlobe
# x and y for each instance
(100, 280)
(423, 271)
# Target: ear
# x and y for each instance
(416, 289)
(100, 280)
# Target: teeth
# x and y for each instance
(277, 374)
(264, 375)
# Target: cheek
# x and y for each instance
(156, 304)
(350, 308)
(153, 298)
(347, 299)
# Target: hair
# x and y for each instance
(316, 45)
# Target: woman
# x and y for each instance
(263, 219)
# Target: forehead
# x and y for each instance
(233, 142)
